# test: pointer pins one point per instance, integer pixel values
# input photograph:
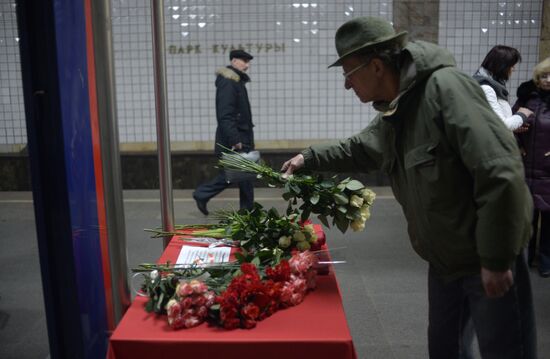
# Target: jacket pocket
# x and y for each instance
(421, 156)
(422, 166)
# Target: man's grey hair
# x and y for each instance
(389, 54)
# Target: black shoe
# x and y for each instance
(201, 205)
(544, 273)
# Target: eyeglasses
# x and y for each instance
(351, 72)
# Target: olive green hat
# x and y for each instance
(363, 32)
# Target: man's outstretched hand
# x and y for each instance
(292, 165)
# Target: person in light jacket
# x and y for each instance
(458, 175)
(495, 71)
(535, 148)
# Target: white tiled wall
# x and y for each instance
(293, 94)
(469, 29)
(12, 112)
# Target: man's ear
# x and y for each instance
(378, 66)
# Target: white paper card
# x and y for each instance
(203, 255)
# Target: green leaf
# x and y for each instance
(343, 209)
(296, 189)
(340, 198)
(263, 254)
(278, 253)
(327, 184)
(287, 186)
(256, 261)
(246, 241)
(289, 209)
(150, 306)
(323, 220)
(273, 213)
(305, 214)
(159, 303)
(287, 196)
(314, 198)
(240, 258)
(354, 185)
(342, 223)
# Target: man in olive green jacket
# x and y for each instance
(457, 173)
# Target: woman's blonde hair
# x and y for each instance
(542, 68)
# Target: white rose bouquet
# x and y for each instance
(347, 202)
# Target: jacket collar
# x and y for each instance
(233, 74)
(406, 81)
(419, 59)
(528, 90)
(484, 77)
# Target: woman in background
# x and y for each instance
(495, 71)
(535, 148)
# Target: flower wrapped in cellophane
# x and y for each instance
(189, 305)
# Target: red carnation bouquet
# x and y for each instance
(249, 299)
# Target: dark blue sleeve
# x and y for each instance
(227, 110)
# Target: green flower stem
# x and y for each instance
(159, 233)
(234, 161)
(195, 226)
(213, 233)
(216, 231)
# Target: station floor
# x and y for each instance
(383, 282)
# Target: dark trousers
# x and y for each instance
(505, 326)
(207, 190)
(544, 243)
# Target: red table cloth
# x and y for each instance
(316, 328)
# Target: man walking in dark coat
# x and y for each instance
(235, 127)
